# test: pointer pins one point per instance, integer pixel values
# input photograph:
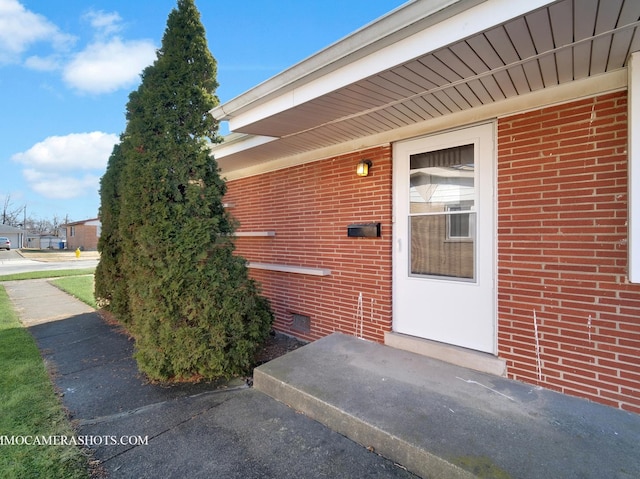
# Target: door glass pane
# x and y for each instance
(442, 213)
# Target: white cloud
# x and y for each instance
(21, 28)
(67, 166)
(108, 63)
(57, 186)
(104, 67)
(76, 150)
(45, 64)
(104, 23)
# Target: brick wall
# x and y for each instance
(85, 237)
(309, 207)
(562, 252)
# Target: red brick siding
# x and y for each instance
(85, 237)
(309, 207)
(562, 251)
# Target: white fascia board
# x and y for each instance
(633, 242)
(469, 22)
(236, 143)
(356, 44)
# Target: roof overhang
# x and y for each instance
(425, 61)
(285, 89)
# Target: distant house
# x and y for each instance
(498, 225)
(83, 234)
(15, 235)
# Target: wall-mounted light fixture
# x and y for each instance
(363, 167)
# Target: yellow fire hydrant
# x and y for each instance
(77, 252)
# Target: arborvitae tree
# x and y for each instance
(193, 310)
(110, 287)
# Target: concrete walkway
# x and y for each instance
(209, 430)
(37, 301)
(435, 419)
(441, 420)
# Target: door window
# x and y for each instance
(442, 213)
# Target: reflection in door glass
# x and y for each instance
(442, 213)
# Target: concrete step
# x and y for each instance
(445, 421)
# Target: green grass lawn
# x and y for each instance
(80, 287)
(29, 407)
(46, 274)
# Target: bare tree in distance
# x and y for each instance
(15, 216)
(11, 215)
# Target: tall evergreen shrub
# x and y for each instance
(110, 287)
(189, 302)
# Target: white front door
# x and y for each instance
(444, 247)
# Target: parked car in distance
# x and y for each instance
(5, 243)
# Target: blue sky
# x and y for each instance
(68, 66)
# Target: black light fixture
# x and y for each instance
(363, 167)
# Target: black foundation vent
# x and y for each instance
(301, 323)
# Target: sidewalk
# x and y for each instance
(436, 419)
(224, 430)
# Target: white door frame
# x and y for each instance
(473, 318)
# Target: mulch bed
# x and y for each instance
(276, 345)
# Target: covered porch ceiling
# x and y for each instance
(424, 60)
